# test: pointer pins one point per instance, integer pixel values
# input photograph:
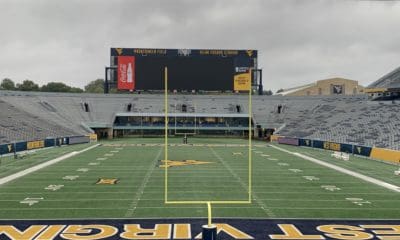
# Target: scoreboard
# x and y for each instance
(188, 69)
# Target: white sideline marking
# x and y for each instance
(343, 170)
(42, 165)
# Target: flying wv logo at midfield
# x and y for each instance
(171, 163)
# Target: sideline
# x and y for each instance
(43, 165)
(343, 170)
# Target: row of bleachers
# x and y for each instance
(356, 122)
(17, 125)
(351, 119)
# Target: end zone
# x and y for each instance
(191, 229)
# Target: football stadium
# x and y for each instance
(184, 145)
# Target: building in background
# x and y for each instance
(326, 87)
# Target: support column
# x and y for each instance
(110, 132)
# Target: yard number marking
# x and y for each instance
(71, 178)
(331, 188)
(283, 164)
(31, 201)
(54, 187)
(358, 201)
(82, 170)
(311, 178)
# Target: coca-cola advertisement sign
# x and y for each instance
(126, 72)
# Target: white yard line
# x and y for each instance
(254, 196)
(139, 192)
(42, 165)
(343, 170)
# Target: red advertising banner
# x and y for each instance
(126, 72)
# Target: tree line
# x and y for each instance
(96, 86)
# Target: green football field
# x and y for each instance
(125, 179)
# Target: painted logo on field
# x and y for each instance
(107, 181)
(173, 163)
(191, 229)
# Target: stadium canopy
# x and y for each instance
(390, 80)
(295, 89)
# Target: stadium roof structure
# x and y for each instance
(390, 80)
(295, 89)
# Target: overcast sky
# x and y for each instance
(298, 41)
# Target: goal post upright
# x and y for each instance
(166, 134)
(250, 131)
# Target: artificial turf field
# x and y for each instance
(283, 185)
